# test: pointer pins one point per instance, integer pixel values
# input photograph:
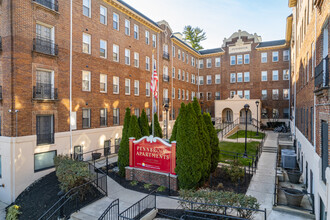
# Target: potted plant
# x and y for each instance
(293, 196)
(294, 176)
(96, 156)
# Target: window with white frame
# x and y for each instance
(208, 79)
(187, 95)
(103, 117)
(232, 60)
(232, 77)
(264, 57)
(247, 94)
(183, 75)
(127, 27)
(179, 54)
(147, 63)
(192, 96)
(217, 62)
(286, 94)
(137, 112)
(136, 32)
(127, 86)
(192, 61)
(217, 95)
(286, 55)
(275, 75)
(232, 94)
(209, 63)
(201, 96)
(115, 21)
(179, 94)
(127, 57)
(275, 94)
(86, 43)
(87, 8)
(173, 93)
(103, 49)
(187, 78)
(147, 37)
(179, 74)
(115, 53)
(154, 41)
(116, 116)
(136, 59)
(148, 89)
(239, 77)
(183, 94)
(86, 118)
(307, 67)
(217, 79)
(201, 80)
(42, 161)
(263, 75)
(201, 64)
(165, 49)
(165, 73)
(103, 15)
(115, 85)
(275, 56)
(136, 87)
(86, 81)
(264, 94)
(193, 79)
(187, 59)
(173, 72)
(286, 75)
(247, 77)
(209, 96)
(173, 51)
(246, 58)
(239, 59)
(183, 57)
(103, 83)
(240, 93)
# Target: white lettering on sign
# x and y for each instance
(240, 49)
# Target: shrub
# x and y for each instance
(147, 185)
(175, 128)
(144, 124)
(134, 183)
(234, 172)
(123, 153)
(13, 212)
(161, 189)
(134, 129)
(158, 130)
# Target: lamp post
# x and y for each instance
(166, 106)
(246, 108)
(257, 103)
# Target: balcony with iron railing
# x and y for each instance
(51, 4)
(166, 78)
(45, 46)
(166, 55)
(44, 91)
(322, 74)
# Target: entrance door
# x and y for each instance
(78, 154)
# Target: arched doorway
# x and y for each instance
(227, 115)
(242, 116)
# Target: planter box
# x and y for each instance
(294, 176)
(293, 196)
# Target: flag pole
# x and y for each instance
(153, 95)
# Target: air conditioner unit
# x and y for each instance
(289, 159)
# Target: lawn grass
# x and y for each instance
(251, 149)
(250, 134)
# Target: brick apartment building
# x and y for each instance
(310, 97)
(113, 51)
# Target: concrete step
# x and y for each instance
(269, 149)
(82, 216)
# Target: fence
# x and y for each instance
(97, 153)
(228, 128)
(112, 212)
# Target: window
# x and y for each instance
(148, 89)
(247, 77)
(103, 49)
(286, 113)
(45, 129)
(147, 37)
(179, 94)
(127, 27)
(173, 93)
(165, 96)
(275, 75)
(183, 56)
(239, 77)
(275, 94)
(116, 116)
(209, 80)
(103, 15)
(147, 63)
(193, 61)
(201, 96)
(136, 32)
(239, 59)
(173, 51)
(115, 53)
(217, 61)
(286, 94)
(264, 76)
(275, 56)
(285, 55)
(285, 74)
(240, 93)
(136, 60)
(137, 112)
(86, 118)
(136, 87)
(187, 59)
(264, 95)
(313, 59)
(103, 117)
(275, 113)
(209, 96)
(232, 94)
(86, 81)
(115, 85)
(217, 95)
(183, 75)
(193, 79)
(103, 83)
(201, 64)
(209, 63)
(183, 93)
(87, 8)
(217, 79)
(44, 85)
(115, 21)
(232, 77)
(43, 161)
(246, 58)
(201, 80)
(154, 41)
(187, 78)
(127, 86)
(247, 94)
(264, 57)
(264, 113)
(179, 54)
(179, 74)
(173, 72)
(192, 96)
(86, 43)
(232, 60)
(127, 57)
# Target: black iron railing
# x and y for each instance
(51, 4)
(166, 55)
(166, 101)
(45, 46)
(45, 138)
(322, 73)
(112, 212)
(0, 92)
(166, 78)
(230, 126)
(45, 91)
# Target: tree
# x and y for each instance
(175, 128)
(158, 130)
(144, 124)
(194, 36)
(123, 153)
(134, 128)
(214, 141)
(188, 150)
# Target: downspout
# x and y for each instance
(71, 149)
(314, 64)
(172, 109)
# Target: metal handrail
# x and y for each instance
(322, 73)
(115, 203)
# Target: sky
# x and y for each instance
(220, 18)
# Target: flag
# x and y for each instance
(154, 83)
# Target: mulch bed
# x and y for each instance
(178, 213)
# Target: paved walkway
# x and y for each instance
(2, 210)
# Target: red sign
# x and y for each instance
(152, 153)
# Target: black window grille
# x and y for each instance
(45, 129)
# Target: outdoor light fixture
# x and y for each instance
(246, 108)
(257, 103)
(166, 107)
